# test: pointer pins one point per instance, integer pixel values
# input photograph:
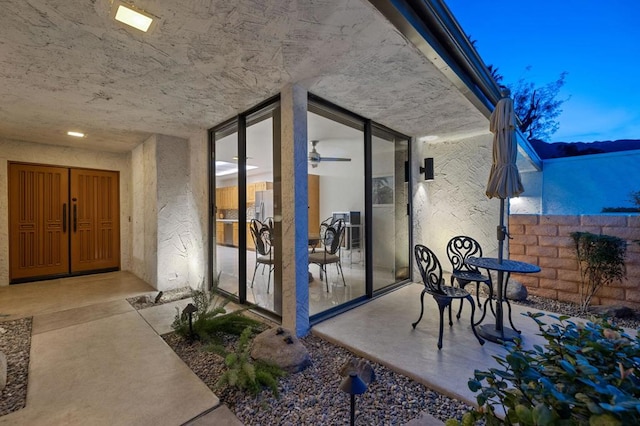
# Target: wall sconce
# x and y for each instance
(427, 169)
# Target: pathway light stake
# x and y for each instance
(189, 310)
(353, 385)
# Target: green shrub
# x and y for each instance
(601, 262)
(586, 374)
(244, 374)
(211, 316)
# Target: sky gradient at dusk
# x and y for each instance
(596, 42)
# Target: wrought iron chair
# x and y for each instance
(431, 273)
(261, 235)
(331, 238)
(459, 249)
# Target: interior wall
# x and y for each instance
(27, 152)
(454, 203)
(383, 242)
(341, 186)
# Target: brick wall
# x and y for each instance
(545, 241)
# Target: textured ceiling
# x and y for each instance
(66, 65)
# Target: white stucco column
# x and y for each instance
(295, 256)
(161, 228)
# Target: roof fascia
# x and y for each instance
(431, 27)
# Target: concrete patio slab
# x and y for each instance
(381, 330)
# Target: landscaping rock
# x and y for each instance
(361, 367)
(615, 311)
(3, 371)
(278, 346)
(143, 299)
(515, 290)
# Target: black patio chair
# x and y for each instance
(261, 235)
(431, 272)
(331, 238)
(459, 249)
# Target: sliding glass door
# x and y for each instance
(389, 214)
(244, 199)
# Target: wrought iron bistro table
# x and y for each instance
(497, 332)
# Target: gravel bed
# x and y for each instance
(572, 309)
(312, 397)
(15, 343)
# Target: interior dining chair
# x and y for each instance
(459, 249)
(431, 272)
(261, 236)
(331, 238)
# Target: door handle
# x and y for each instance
(75, 217)
(64, 218)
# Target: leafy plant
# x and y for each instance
(244, 374)
(635, 197)
(601, 262)
(586, 374)
(211, 315)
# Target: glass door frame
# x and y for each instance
(345, 116)
(239, 123)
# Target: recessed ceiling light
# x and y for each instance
(225, 168)
(76, 134)
(130, 15)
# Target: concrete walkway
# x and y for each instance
(96, 360)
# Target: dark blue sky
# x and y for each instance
(596, 42)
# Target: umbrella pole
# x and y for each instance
(501, 231)
(501, 236)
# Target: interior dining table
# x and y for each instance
(497, 332)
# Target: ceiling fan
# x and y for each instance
(315, 158)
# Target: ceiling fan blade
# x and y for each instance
(335, 159)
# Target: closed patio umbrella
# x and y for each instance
(504, 182)
(504, 178)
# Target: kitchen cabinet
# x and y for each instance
(236, 234)
(220, 232)
(313, 183)
(251, 193)
(227, 196)
(263, 186)
(250, 243)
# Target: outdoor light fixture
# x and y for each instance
(188, 311)
(427, 169)
(353, 385)
(130, 15)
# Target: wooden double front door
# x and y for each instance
(62, 221)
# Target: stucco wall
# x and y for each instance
(67, 157)
(174, 219)
(530, 201)
(198, 210)
(163, 212)
(544, 240)
(581, 185)
(454, 203)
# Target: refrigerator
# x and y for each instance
(264, 205)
